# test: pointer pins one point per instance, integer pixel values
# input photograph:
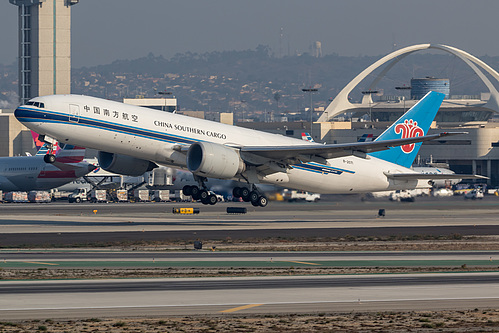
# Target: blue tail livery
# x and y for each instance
(414, 123)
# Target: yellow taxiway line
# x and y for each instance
(40, 263)
(304, 263)
(239, 308)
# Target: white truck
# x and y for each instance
(82, 194)
(78, 195)
(294, 195)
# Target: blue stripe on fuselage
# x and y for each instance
(25, 114)
(33, 115)
(320, 168)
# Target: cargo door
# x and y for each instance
(74, 113)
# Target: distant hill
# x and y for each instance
(249, 80)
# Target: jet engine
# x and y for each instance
(214, 160)
(123, 164)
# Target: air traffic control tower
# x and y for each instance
(44, 47)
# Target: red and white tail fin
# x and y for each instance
(42, 147)
(307, 137)
(70, 154)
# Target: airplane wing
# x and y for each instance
(66, 166)
(307, 153)
(416, 175)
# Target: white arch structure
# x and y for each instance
(341, 103)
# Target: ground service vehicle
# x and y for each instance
(293, 195)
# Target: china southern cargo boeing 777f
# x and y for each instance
(133, 140)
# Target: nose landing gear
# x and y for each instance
(49, 158)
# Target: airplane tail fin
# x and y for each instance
(70, 154)
(307, 137)
(366, 138)
(42, 147)
(64, 153)
(414, 123)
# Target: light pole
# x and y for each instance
(310, 91)
(404, 87)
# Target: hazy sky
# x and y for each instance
(106, 30)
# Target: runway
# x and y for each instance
(206, 259)
(27, 228)
(63, 224)
(82, 299)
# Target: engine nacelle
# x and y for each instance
(124, 164)
(214, 160)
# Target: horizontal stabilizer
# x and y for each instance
(416, 176)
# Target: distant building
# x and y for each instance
(15, 137)
(44, 47)
(162, 104)
(194, 114)
(227, 118)
(420, 87)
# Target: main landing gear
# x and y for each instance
(206, 197)
(209, 198)
(253, 196)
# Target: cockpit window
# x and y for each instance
(37, 104)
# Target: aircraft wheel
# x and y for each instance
(263, 201)
(245, 194)
(49, 158)
(255, 203)
(205, 201)
(203, 195)
(236, 192)
(195, 191)
(254, 196)
(212, 199)
(187, 190)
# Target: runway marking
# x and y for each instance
(40, 263)
(239, 308)
(303, 262)
(10, 309)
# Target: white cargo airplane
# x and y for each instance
(133, 140)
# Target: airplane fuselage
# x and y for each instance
(156, 136)
(28, 173)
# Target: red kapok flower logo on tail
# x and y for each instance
(409, 129)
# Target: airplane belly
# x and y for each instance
(7, 185)
(347, 176)
(50, 183)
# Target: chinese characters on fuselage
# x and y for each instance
(112, 114)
